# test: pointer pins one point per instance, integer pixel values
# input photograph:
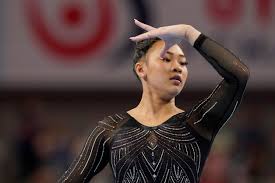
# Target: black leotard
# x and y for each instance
(174, 151)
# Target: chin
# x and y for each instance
(175, 91)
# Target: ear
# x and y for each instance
(140, 68)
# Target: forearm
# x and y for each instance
(224, 62)
(91, 160)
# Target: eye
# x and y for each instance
(166, 59)
(184, 63)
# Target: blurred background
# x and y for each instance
(64, 65)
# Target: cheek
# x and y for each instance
(184, 74)
(158, 77)
(162, 74)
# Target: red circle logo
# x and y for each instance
(72, 15)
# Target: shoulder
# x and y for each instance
(112, 121)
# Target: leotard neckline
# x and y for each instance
(163, 123)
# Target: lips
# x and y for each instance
(176, 77)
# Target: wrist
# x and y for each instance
(192, 34)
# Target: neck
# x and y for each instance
(154, 104)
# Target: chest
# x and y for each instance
(153, 150)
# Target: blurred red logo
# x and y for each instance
(73, 17)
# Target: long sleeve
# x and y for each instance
(92, 159)
(211, 113)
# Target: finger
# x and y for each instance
(165, 49)
(147, 35)
(144, 26)
(141, 37)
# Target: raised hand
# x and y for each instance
(171, 35)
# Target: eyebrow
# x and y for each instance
(170, 53)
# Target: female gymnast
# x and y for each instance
(157, 142)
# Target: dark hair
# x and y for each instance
(141, 49)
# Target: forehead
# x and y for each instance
(173, 50)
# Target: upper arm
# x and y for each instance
(92, 159)
(210, 114)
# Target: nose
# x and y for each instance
(176, 67)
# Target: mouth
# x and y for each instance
(177, 78)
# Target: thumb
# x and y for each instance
(165, 49)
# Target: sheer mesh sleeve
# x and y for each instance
(92, 158)
(211, 113)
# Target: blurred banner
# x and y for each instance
(84, 44)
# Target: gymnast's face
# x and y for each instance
(156, 72)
